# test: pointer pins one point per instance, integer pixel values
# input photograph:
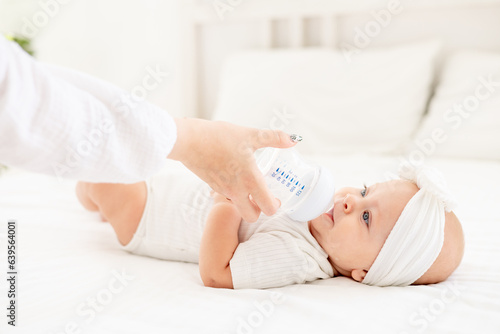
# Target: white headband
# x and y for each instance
(417, 238)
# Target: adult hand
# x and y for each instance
(222, 154)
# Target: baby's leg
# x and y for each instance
(82, 192)
(122, 205)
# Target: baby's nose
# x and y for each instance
(348, 203)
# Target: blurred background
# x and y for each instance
(117, 39)
(113, 40)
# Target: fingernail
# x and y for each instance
(277, 203)
(295, 138)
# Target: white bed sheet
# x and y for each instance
(67, 258)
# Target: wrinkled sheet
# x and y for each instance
(74, 278)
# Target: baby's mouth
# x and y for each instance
(329, 213)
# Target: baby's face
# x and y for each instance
(354, 233)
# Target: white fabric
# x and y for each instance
(67, 124)
(373, 104)
(274, 251)
(464, 115)
(277, 251)
(68, 255)
(418, 235)
(172, 224)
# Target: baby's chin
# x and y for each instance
(323, 223)
(321, 227)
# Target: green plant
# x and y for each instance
(23, 42)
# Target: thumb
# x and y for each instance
(276, 138)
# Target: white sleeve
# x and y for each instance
(273, 259)
(67, 124)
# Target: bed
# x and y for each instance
(393, 102)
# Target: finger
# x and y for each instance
(249, 211)
(275, 138)
(263, 197)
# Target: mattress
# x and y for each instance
(74, 278)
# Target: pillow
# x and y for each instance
(464, 114)
(372, 104)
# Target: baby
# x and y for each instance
(398, 232)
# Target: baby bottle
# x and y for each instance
(305, 190)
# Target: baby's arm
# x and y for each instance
(218, 243)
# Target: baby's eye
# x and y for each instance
(363, 192)
(366, 217)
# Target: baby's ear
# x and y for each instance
(358, 274)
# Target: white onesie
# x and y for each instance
(274, 251)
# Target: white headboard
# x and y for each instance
(214, 29)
